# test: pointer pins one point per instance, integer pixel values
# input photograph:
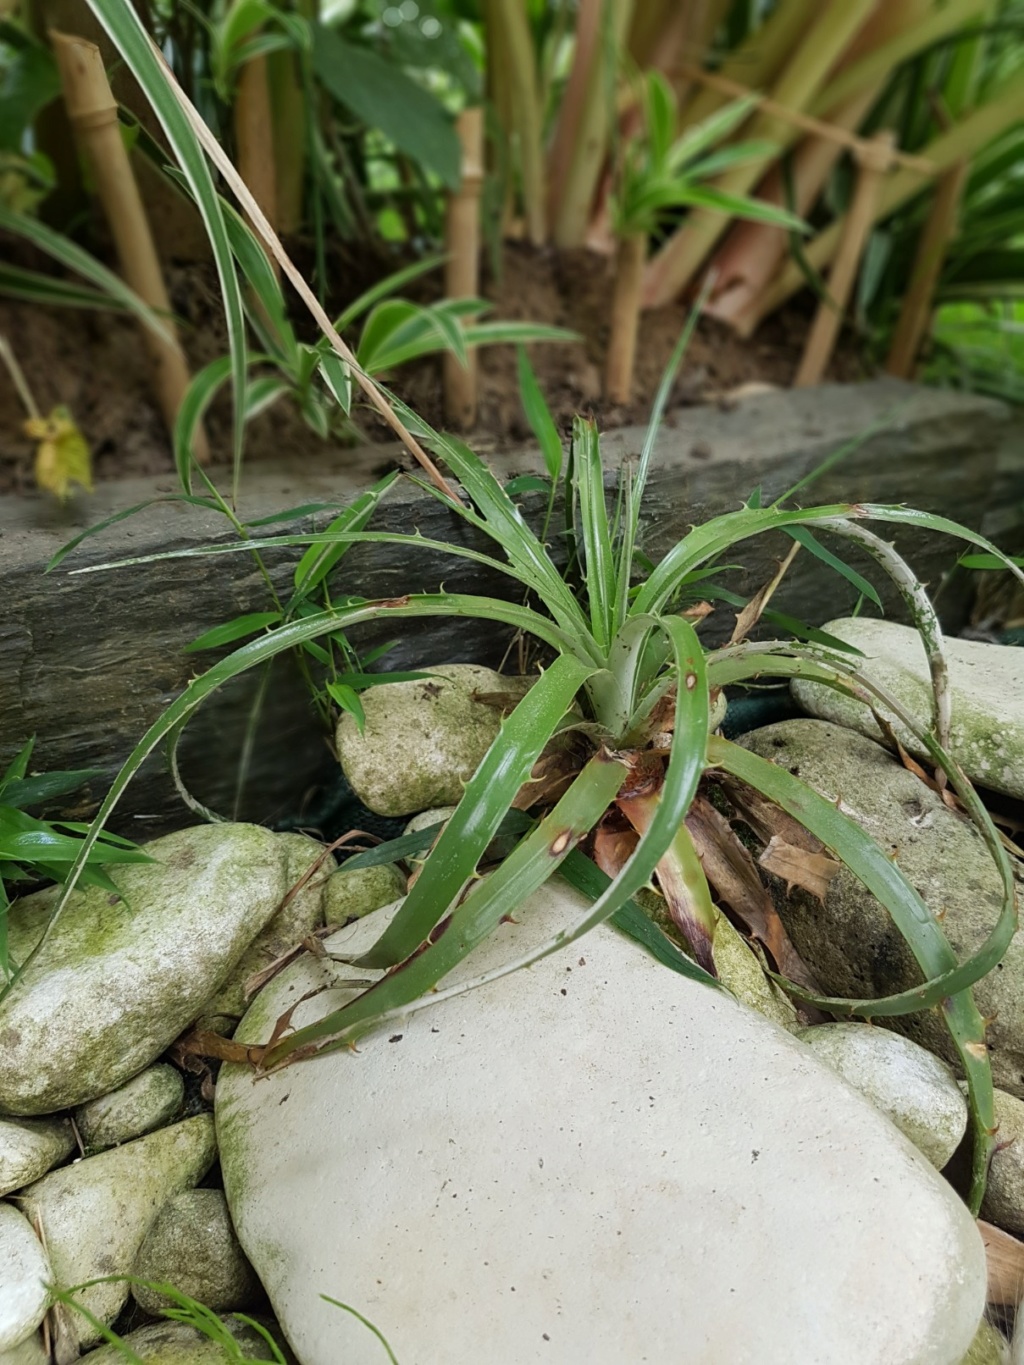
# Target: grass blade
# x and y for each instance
(915, 921)
(147, 66)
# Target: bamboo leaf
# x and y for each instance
(236, 629)
(65, 251)
(538, 414)
(383, 97)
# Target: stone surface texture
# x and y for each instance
(351, 895)
(987, 691)
(27, 1352)
(426, 818)
(175, 1343)
(116, 980)
(300, 915)
(149, 1100)
(595, 1159)
(29, 1147)
(192, 1245)
(24, 1274)
(850, 943)
(97, 1212)
(913, 1087)
(434, 733)
(1004, 1193)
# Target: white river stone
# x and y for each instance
(24, 1274)
(913, 1087)
(116, 980)
(149, 1100)
(29, 1147)
(351, 895)
(175, 1343)
(594, 1160)
(423, 741)
(27, 1352)
(291, 922)
(986, 686)
(97, 1212)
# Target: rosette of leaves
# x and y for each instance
(622, 711)
(626, 692)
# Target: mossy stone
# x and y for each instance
(192, 1245)
(149, 1100)
(422, 741)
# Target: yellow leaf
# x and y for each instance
(62, 453)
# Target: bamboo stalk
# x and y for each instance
(959, 143)
(873, 164)
(570, 112)
(681, 257)
(254, 138)
(758, 61)
(462, 268)
(589, 148)
(915, 313)
(93, 113)
(831, 132)
(752, 252)
(879, 64)
(508, 26)
(621, 357)
(288, 114)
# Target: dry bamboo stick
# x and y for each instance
(92, 110)
(629, 274)
(977, 130)
(462, 268)
(254, 138)
(821, 340)
(915, 313)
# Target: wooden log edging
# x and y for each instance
(88, 661)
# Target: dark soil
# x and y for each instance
(95, 364)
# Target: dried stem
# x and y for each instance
(821, 339)
(462, 268)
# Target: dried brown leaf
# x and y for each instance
(798, 867)
(1004, 1256)
(748, 618)
(613, 847)
(767, 819)
(732, 873)
(202, 1043)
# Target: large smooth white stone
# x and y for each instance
(595, 1160)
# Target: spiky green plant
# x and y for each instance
(619, 650)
